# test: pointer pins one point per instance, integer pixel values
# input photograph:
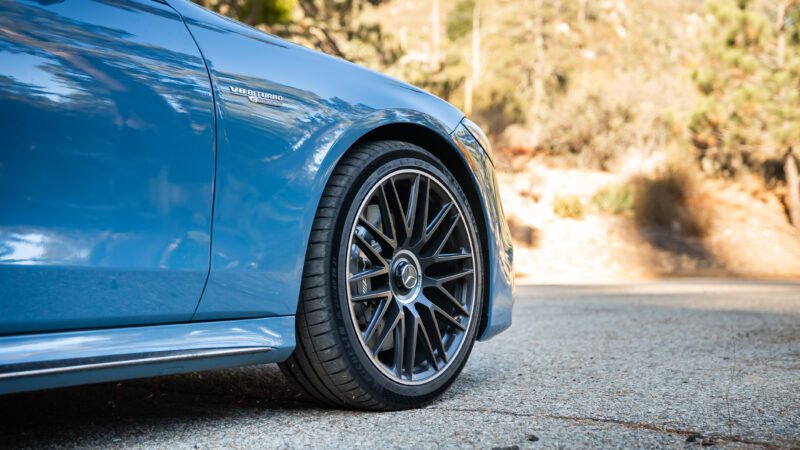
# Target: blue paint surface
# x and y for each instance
(273, 162)
(140, 190)
(106, 165)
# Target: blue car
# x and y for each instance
(181, 192)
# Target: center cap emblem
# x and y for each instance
(408, 275)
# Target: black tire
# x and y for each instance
(330, 363)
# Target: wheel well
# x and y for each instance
(447, 154)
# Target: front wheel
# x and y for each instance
(392, 285)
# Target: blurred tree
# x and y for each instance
(254, 12)
(436, 14)
(749, 112)
(333, 26)
(337, 29)
(459, 21)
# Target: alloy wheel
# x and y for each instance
(411, 278)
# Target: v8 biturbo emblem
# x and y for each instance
(261, 97)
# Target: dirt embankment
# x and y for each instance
(746, 235)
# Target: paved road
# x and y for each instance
(671, 364)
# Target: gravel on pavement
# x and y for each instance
(679, 363)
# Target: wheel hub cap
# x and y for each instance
(405, 282)
(407, 275)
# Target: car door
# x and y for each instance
(106, 165)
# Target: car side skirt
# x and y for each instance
(41, 361)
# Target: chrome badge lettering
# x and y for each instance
(263, 98)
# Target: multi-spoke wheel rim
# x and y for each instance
(411, 280)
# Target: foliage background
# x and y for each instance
(677, 101)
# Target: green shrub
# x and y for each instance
(591, 127)
(614, 199)
(569, 206)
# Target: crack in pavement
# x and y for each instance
(233, 395)
(630, 425)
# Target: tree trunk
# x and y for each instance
(781, 28)
(538, 43)
(471, 80)
(793, 183)
(468, 96)
(537, 104)
(476, 44)
(403, 37)
(435, 42)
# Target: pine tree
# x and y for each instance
(749, 113)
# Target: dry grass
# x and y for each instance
(569, 207)
(614, 199)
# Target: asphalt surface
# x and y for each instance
(670, 364)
